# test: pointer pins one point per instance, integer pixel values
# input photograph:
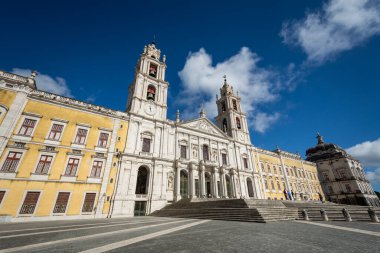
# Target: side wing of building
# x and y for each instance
(58, 156)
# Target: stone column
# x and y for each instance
(178, 184)
(223, 182)
(202, 180)
(191, 181)
(215, 192)
(233, 183)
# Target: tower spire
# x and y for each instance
(320, 138)
(202, 113)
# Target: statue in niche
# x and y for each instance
(195, 151)
(170, 182)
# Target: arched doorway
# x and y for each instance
(250, 188)
(183, 189)
(142, 181)
(228, 186)
(141, 188)
(208, 185)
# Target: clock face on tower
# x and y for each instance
(150, 108)
(241, 136)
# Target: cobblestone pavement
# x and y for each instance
(155, 234)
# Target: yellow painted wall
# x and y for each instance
(16, 188)
(6, 99)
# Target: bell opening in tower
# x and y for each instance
(153, 70)
(151, 93)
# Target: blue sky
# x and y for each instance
(300, 66)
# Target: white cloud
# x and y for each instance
(47, 83)
(339, 26)
(202, 80)
(368, 153)
(262, 121)
(374, 176)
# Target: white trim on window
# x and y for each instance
(91, 179)
(5, 196)
(20, 137)
(22, 202)
(7, 175)
(67, 207)
(79, 145)
(94, 206)
(100, 148)
(37, 176)
(68, 178)
(53, 141)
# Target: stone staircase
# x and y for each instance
(334, 211)
(229, 209)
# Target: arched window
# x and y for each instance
(151, 93)
(142, 181)
(223, 106)
(238, 123)
(225, 126)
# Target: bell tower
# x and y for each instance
(231, 119)
(147, 95)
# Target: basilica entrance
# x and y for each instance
(183, 184)
(142, 181)
(250, 188)
(208, 185)
(140, 208)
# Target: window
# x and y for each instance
(88, 203)
(205, 153)
(146, 145)
(30, 203)
(280, 170)
(96, 168)
(183, 151)
(44, 164)
(262, 167)
(272, 184)
(151, 93)
(27, 127)
(342, 174)
(274, 169)
(103, 139)
(11, 162)
(61, 203)
(238, 125)
(266, 184)
(326, 176)
(287, 170)
(224, 159)
(268, 166)
(348, 188)
(278, 185)
(2, 194)
(331, 190)
(245, 162)
(80, 138)
(55, 132)
(72, 167)
(234, 105)
(153, 70)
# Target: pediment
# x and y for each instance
(203, 125)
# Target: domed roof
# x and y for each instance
(324, 150)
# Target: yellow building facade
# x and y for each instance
(59, 156)
(280, 170)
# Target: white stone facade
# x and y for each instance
(184, 159)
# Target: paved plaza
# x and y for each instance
(155, 234)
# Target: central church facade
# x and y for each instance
(165, 161)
